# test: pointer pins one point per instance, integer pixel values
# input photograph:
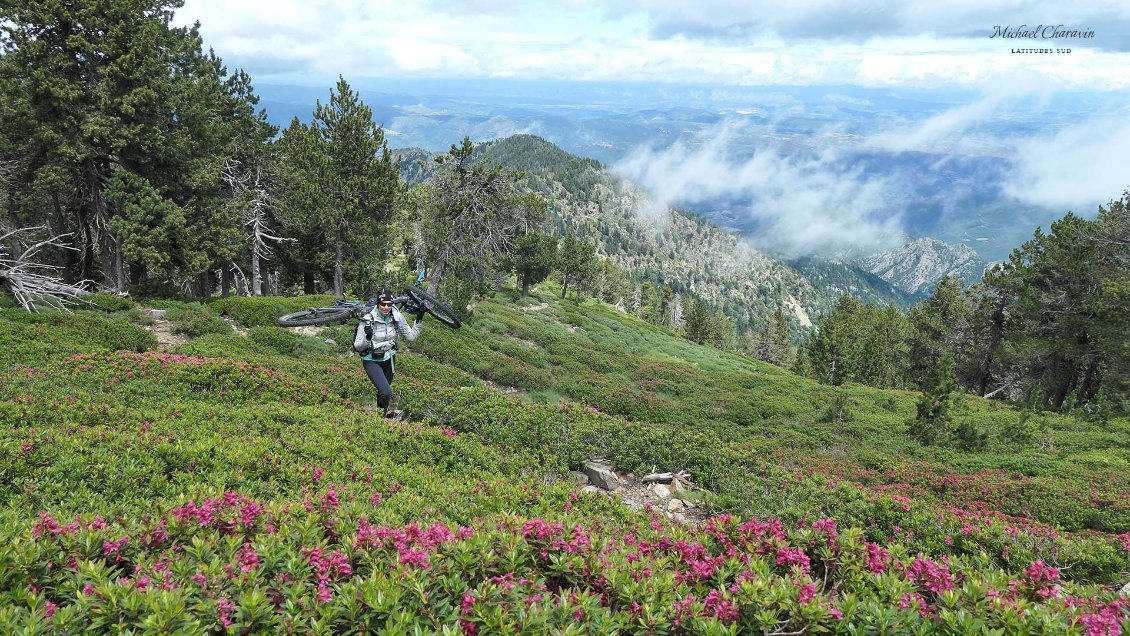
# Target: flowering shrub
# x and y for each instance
(33, 338)
(223, 487)
(231, 563)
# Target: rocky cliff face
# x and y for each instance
(917, 266)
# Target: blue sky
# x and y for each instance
(753, 42)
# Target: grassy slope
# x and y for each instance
(623, 366)
(284, 421)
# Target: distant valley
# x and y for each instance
(951, 191)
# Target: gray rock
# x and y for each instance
(330, 341)
(1125, 591)
(661, 491)
(675, 505)
(580, 478)
(157, 313)
(601, 475)
(590, 489)
(680, 517)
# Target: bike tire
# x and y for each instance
(440, 311)
(316, 316)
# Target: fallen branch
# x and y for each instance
(31, 282)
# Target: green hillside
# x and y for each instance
(247, 484)
(675, 247)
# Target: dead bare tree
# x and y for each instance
(31, 282)
(250, 193)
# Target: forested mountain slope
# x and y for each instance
(675, 247)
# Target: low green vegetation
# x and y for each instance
(240, 483)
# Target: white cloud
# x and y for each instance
(1076, 168)
(950, 130)
(806, 205)
(722, 41)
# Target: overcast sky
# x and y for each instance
(1075, 159)
(744, 42)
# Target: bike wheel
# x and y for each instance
(316, 316)
(434, 307)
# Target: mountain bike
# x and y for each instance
(414, 301)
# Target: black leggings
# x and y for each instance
(380, 374)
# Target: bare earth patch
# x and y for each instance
(163, 329)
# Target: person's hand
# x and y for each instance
(369, 332)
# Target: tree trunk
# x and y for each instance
(86, 266)
(525, 287)
(68, 260)
(225, 282)
(205, 280)
(308, 283)
(121, 280)
(256, 277)
(339, 261)
(437, 273)
(136, 274)
(1089, 387)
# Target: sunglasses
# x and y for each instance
(384, 304)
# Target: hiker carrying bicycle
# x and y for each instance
(378, 333)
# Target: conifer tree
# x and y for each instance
(576, 262)
(106, 98)
(534, 257)
(470, 215)
(698, 321)
(358, 178)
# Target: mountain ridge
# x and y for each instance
(681, 248)
(918, 265)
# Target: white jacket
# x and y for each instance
(386, 335)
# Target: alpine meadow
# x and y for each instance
(642, 421)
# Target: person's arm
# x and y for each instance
(362, 337)
(409, 333)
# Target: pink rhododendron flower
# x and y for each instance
(792, 556)
(877, 558)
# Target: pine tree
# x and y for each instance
(576, 262)
(698, 321)
(470, 216)
(936, 326)
(358, 178)
(770, 341)
(107, 98)
(834, 351)
(535, 254)
(934, 410)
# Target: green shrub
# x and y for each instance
(216, 345)
(263, 311)
(839, 411)
(33, 338)
(193, 319)
(109, 303)
(275, 338)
